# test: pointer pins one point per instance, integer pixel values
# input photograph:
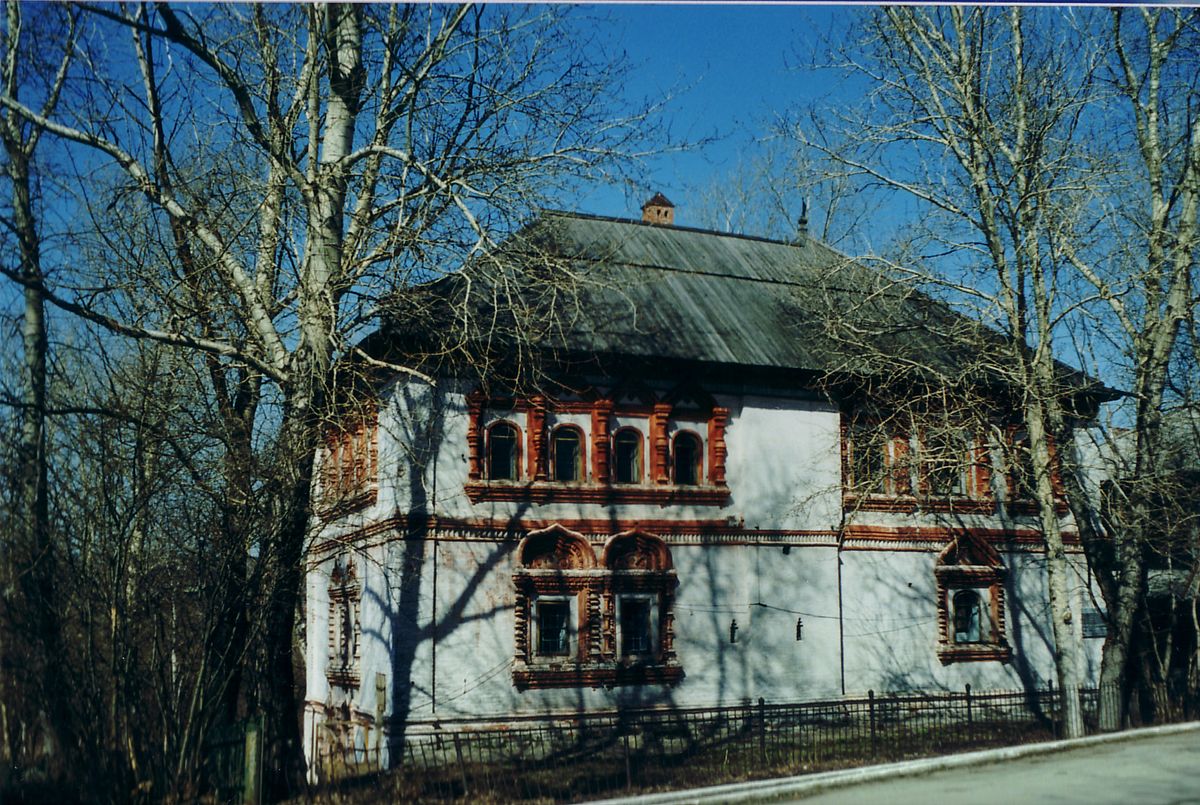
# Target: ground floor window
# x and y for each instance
(970, 590)
(553, 618)
(636, 626)
(588, 622)
(972, 621)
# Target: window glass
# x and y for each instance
(1024, 480)
(553, 621)
(567, 455)
(627, 457)
(946, 462)
(969, 622)
(502, 453)
(635, 626)
(687, 459)
(868, 457)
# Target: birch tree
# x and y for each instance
(29, 556)
(973, 115)
(304, 162)
(1139, 255)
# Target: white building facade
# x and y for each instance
(689, 535)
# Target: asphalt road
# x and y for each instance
(1158, 770)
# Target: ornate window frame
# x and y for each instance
(686, 408)
(1017, 500)
(488, 447)
(580, 464)
(345, 625)
(557, 564)
(349, 465)
(969, 563)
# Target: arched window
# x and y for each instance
(687, 454)
(627, 456)
(503, 452)
(566, 454)
(970, 623)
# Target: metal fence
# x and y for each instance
(596, 755)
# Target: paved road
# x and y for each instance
(1159, 770)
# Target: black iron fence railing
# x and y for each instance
(595, 755)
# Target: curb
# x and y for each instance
(807, 784)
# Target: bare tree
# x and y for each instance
(1140, 259)
(357, 151)
(974, 118)
(29, 65)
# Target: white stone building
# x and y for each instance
(706, 513)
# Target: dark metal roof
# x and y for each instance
(664, 292)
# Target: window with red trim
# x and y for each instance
(580, 622)
(566, 454)
(503, 452)
(970, 604)
(687, 459)
(627, 456)
(876, 460)
(349, 469)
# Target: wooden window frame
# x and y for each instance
(515, 460)
(697, 459)
(556, 564)
(639, 463)
(970, 563)
(581, 464)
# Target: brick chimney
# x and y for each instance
(658, 210)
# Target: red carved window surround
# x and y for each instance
(557, 570)
(655, 486)
(345, 628)
(971, 570)
(1018, 500)
(895, 491)
(349, 476)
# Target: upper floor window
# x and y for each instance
(876, 460)
(350, 464)
(687, 456)
(947, 462)
(566, 449)
(627, 456)
(503, 452)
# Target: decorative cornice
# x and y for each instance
(595, 675)
(548, 492)
(682, 532)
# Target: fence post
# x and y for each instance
(871, 710)
(762, 729)
(252, 762)
(969, 719)
(462, 768)
(1053, 712)
(628, 768)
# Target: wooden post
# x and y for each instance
(969, 719)
(462, 769)
(762, 729)
(252, 770)
(871, 710)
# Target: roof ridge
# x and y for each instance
(587, 216)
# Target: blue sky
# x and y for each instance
(732, 69)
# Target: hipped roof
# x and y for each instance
(667, 293)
